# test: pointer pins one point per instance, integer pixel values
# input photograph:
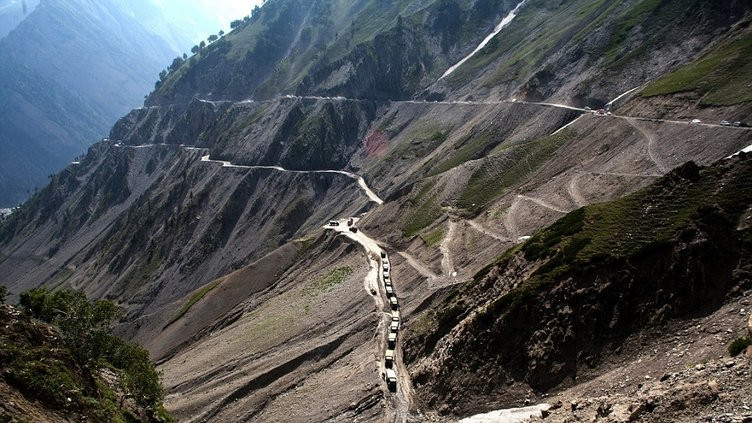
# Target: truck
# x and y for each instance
(394, 327)
(389, 291)
(391, 379)
(392, 340)
(393, 303)
(385, 266)
(383, 254)
(389, 358)
(386, 274)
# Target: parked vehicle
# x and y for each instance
(350, 221)
(395, 315)
(353, 229)
(385, 266)
(388, 283)
(386, 274)
(383, 254)
(725, 123)
(394, 327)
(695, 121)
(389, 291)
(391, 379)
(333, 223)
(373, 291)
(389, 359)
(741, 125)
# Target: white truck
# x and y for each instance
(392, 340)
(393, 303)
(391, 379)
(394, 326)
(389, 358)
(389, 291)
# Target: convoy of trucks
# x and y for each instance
(390, 375)
(389, 357)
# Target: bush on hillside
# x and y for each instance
(739, 345)
(86, 329)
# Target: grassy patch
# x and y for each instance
(324, 283)
(196, 297)
(424, 210)
(721, 76)
(739, 345)
(499, 173)
(470, 147)
(434, 237)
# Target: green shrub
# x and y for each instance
(739, 345)
(86, 331)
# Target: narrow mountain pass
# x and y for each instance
(651, 146)
(361, 182)
(378, 262)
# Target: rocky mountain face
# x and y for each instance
(552, 308)
(202, 214)
(69, 70)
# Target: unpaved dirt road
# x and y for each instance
(511, 415)
(403, 395)
(361, 182)
(651, 145)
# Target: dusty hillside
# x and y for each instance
(202, 214)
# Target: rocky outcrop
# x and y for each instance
(571, 295)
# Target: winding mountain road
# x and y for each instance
(651, 145)
(361, 182)
(403, 394)
(573, 189)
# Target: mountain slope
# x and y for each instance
(69, 70)
(581, 286)
(363, 49)
(12, 12)
(202, 214)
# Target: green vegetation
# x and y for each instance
(499, 173)
(739, 345)
(470, 147)
(424, 210)
(196, 297)
(435, 236)
(633, 225)
(326, 282)
(69, 374)
(634, 16)
(721, 77)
